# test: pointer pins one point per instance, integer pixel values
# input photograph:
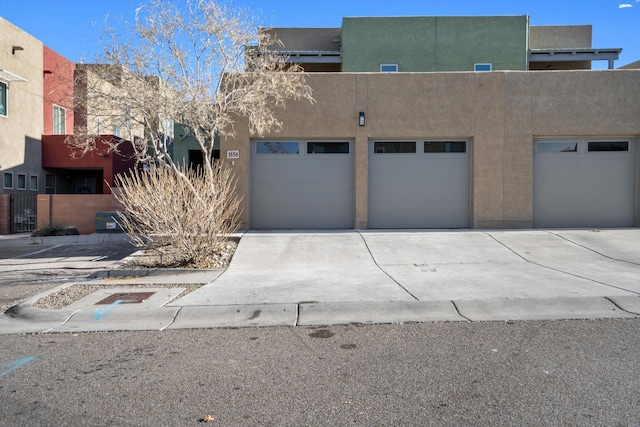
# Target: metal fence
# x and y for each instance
(23, 209)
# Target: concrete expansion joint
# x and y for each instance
(173, 319)
(382, 269)
(459, 312)
(619, 307)
(592, 250)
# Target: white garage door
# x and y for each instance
(419, 184)
(302, 184)
(584, 182)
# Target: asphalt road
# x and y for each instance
(464, 374)
(29, 270)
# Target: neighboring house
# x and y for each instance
(37, 114)
(446, 122)
(21, 127)
(69, 171)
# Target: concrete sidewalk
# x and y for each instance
(340, 277)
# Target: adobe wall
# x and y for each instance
(501, 112)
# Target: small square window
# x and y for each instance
(482, 67)
(277, 147)
(380, 147)
(389, 68)
(328, 147)
(33, 183)
(22, 182)
(608, 146)
(445, 147)
(7, 180)
(557, 147)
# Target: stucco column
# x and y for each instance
(361, 182)
(361, 167)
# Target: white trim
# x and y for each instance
(389, 65)
(64, 120)
(483, 65)
(9, 77)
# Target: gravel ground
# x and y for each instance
(67, 296)
(170, 257)
(163, 257)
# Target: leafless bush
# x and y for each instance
(194, 213)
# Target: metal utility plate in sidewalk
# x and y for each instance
(126, 298)
(153, 297)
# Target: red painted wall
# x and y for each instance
(56, 154)
(58, 88)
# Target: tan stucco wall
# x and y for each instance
(21, 130)
(305, 38)
(501, 112)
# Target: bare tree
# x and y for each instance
(192, 63)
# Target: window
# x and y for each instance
(445, 147)
(3, 99)
(482, 67)
(557, 147)
(33, 183)
(389, 68)
(116, 131)
(22, 181)
(50, 183)
(608, 146)
(277, 147)
(7, 180)
(59, 120)
(327, 147)
(394, 147)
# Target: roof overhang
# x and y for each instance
(312, 56)
(575, 54)
(9, 77)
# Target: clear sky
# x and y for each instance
(72, 27)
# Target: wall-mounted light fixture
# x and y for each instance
(361, 118)
(14, 48)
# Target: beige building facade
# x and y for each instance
(500, 114)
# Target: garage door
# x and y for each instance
(302, 184)
(584, 182)
(419, 184)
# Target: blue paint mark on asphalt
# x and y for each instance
(12, 366)
(101, 311)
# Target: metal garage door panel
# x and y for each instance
(302, 190)
(585, 189)
(419, 190)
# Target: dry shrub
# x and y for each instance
(192, 211)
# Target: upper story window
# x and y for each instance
(389, 68)
(59, 120)
(482, 67)
(3, 99)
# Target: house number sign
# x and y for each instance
(233, 154)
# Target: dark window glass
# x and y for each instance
(328, 147)
(275, 147)
(3, 99)
(394, 147)
(445, 146)
(608, 146)
(556, 147)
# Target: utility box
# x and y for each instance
(108, 222)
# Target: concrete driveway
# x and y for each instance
(478, 267)
(340, 277)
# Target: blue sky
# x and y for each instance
(72, 27)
